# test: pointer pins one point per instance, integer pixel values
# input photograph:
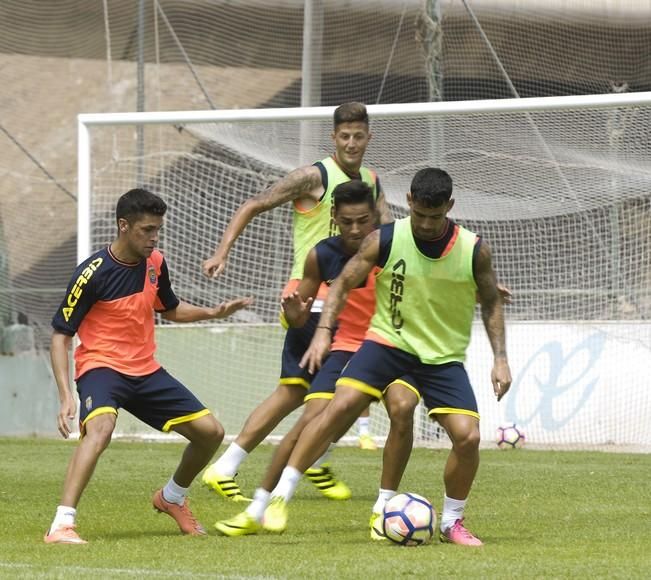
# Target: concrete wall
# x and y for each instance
(28, 395)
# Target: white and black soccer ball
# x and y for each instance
(409, 519)
(509, 436)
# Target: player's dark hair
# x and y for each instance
(137, 202)
(353, 192)
(431, 187)
(352, 112)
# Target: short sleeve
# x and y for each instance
(81, 294)
(166, 299)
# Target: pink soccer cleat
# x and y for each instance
(63, 535)
(184, 518)
(457, 534)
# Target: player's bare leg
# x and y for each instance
(459, 474)
(82, 464)
(313, 408)
(98, 431)
(205, 434)
(220, 476)
(250, 520)
(266, 416)
(337, 418)
(400, 402)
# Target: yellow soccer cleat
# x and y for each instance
(242, 524)
(225, 486)
(375, 525)
(367, 443)
(275, 516)
(326, 483)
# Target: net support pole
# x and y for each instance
(311, 67)
(140, 99)
(83, 190)
(432, 42)
(433, 47)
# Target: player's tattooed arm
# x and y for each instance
(383, 210)
(492, 313)
(354, 273)
(298, 183)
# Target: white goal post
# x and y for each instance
(560, 188)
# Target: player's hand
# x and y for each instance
(67, 411)
(501, 377)
(505, 293)
(317, 351)
(225, 309)
(214, 266)
(295, 308)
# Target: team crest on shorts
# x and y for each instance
(152, 274)
(89, 403)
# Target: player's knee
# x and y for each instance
(206, 432)
(401, 410)
(98, 435)
(345, 406)
(289, 397)
(215, 433)
(466, 442)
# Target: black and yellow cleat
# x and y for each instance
(377, 533)
(241, 524)
(225, 486)
(325, 482)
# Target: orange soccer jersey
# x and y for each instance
(111, 305)
(355, 317)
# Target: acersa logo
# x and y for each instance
(396, 293)
(78, 287)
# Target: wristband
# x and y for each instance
(326, 327)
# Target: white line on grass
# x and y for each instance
(132, 571)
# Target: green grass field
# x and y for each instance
(541, 514)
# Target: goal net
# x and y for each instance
(558, 187)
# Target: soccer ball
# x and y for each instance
(510, 436)
(409, 519)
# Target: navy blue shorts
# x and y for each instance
(444, 388)
(323, 384)
(296, 343)
(157, 399)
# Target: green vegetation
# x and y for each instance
(541, 514)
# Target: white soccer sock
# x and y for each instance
(260, 502)
(65, 516)
(228, 464)
(324, 458)
(383, 497)
(287, 484)
(452, 511)
(362, 425)
(174, 493)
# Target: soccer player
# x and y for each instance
(110, 305)
(355, 215)
(309, 189)
(365, 441)
(432, 272)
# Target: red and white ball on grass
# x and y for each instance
(409, 520)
